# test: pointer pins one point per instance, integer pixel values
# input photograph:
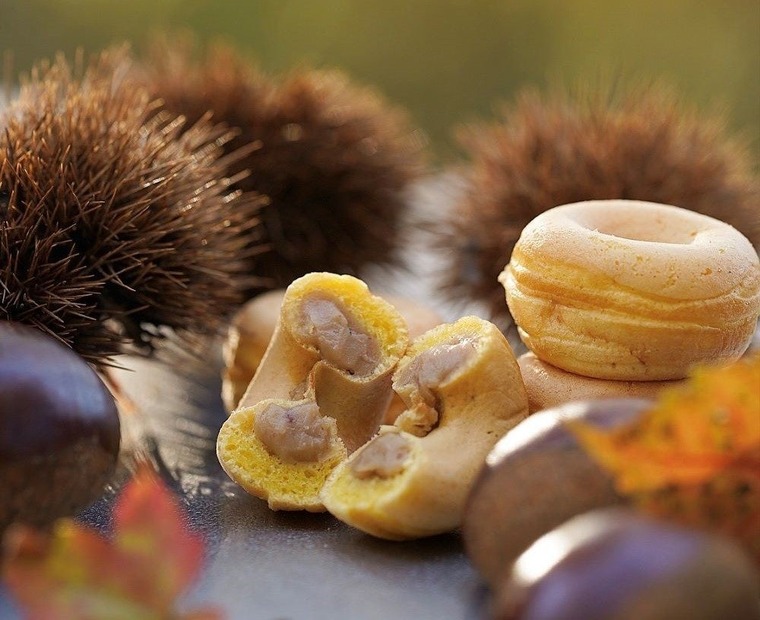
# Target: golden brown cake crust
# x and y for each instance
(548, 386)
(634, 291)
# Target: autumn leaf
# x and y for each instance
(75, 572)
(695, 455)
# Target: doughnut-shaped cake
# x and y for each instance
(548, 386)
(631, 290)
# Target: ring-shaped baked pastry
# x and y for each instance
(633, 291)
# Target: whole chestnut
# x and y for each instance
(59, 429)
(617, 564)
(536, 477)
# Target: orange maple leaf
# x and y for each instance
(695, 455)
(75, 572)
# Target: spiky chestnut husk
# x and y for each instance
(114, 223)
(335, 161)
(548, 150)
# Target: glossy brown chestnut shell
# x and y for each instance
(615, 563)
(535, 478)
(59, 429)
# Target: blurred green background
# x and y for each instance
(446, 61)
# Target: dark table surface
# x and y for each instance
(276, 565)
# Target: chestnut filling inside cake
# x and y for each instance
(421, 378)
(383, 457)
(338, 337)
(294, 434)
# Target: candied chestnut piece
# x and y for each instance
(615, 563)
(59, 429)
